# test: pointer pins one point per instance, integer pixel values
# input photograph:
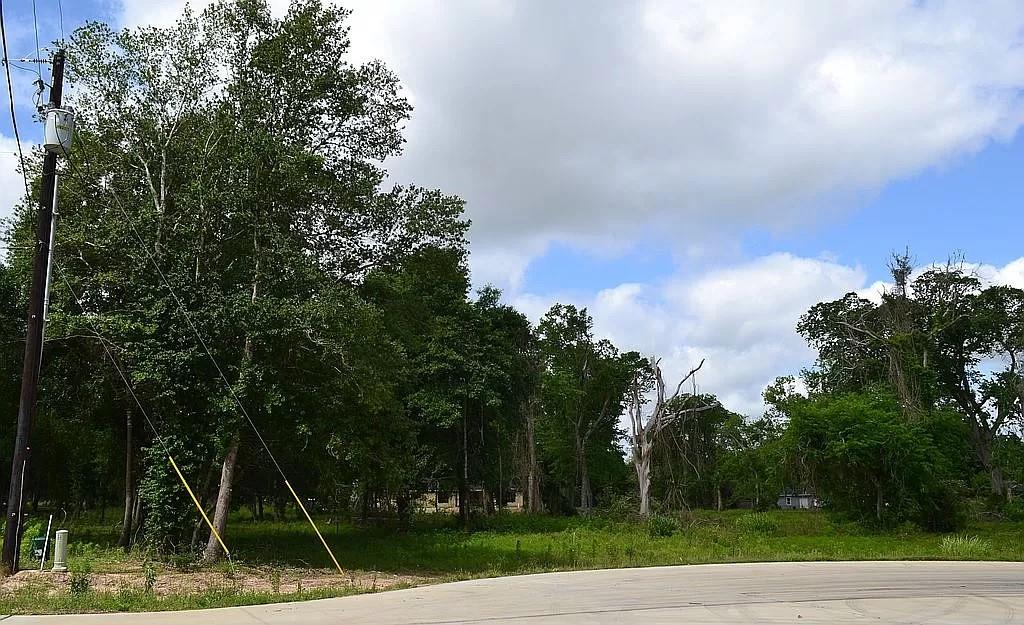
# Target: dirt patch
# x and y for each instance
(239, 579)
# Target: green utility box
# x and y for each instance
(38, 544)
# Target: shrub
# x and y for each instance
(29, 531)
(964, 547)
(169, 515)
(80, 581)
(149, 572)
(874, 465)
(1014, 510)
(661, 526)
(757, 523)
(624, 507)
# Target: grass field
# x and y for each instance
(284, 561)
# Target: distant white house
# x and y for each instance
(798, 501)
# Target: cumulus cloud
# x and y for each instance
(600, 124)
(592, 121)
(742, 319)
(564, 120)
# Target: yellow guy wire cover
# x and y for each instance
(315, 529)
(200, 507)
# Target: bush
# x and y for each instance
(1013, 510)
(624, 507)
(80, 581)
(661, 526)
(965, 547)
(169, 513)
(758, 523)
(149, 572)
(875, 466)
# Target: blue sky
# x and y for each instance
(697, 178)
(973, 205)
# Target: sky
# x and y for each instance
(697, 173)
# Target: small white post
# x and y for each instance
(60, 551)
(46, 543)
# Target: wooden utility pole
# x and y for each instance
(33, 340)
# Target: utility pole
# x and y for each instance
(33, 339)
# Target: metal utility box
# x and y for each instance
(38, 547)
(60, 126)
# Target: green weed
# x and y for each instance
(965, 547)
(758, 523)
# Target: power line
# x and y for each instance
(35, 26)
(60, 13)
(10, 94)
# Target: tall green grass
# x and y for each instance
(436, 548)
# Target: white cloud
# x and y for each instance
(702, 117)
(503, 267)
(12, 185)
(741, 318)
(599, 121)
(1010, 275)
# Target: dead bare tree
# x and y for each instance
(644, 428)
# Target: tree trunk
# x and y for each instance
(879, 501)
(464, 480)
(586, 497)
(718, 497)
(998, 484)
(138, 517)
(642, 464)
(220, 515)
(125, 541)
(983, 446)
(227, 475)
(501, 475)
(533, 503)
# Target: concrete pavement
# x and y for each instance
(937, 593)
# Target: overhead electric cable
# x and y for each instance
(60, 14)
(223, 377)
(10, 94)
(131, 391)
(35, 26)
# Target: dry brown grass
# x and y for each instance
(238, 578)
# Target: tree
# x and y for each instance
(583, 383)
(868, 461)
(753, 460)
(203, 140)
(645, 428)
(940, 339)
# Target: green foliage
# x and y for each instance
(30, 530)
(80, 579)
(869, 462)
(940, 341)
(1013, 510)
(662, 526)
(170, 513)
(582, 387)
(758, 523)
(965, 547)
(149, 575)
